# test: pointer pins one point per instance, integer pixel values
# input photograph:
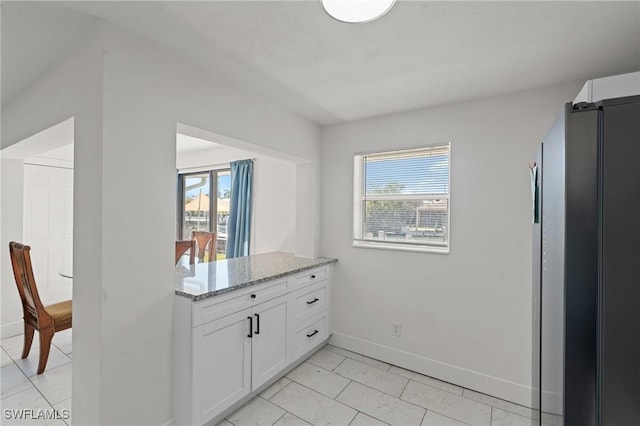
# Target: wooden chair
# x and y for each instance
(46, 319)
(203, 239)
(181, 248)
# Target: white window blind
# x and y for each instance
(401, 199)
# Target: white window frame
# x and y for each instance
(359, 197)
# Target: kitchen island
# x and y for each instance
(241, 324)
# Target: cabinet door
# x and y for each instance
(223, 367)
(270, 342)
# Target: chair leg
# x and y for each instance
(46, 336)
(28, 339)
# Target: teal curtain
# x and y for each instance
(239, 232)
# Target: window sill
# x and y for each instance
(400, 247)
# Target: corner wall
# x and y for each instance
(466, 316)
(127, 96)
(73, 88)
(147, 91)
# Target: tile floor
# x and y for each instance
(332, 387)
(22, 388)
(339, 387)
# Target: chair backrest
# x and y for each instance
(181, 248)
(22, 271)
(204, 238)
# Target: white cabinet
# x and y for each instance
(310, 300)
(222, 351)
(230, 347)
(270, 351)
(310, 334)
(238, 353)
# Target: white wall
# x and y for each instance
(127, 97)
(146, 93)
(274, 202)
(466, 316)
(11, 196)
(74, 88)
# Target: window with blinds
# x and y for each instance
(401, 199)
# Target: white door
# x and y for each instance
(223, 365)
(48, 228)
(270, 345)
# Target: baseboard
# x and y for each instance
(552, 401)
(11, 329)
(480, 382)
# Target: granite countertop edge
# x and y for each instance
(321, 261)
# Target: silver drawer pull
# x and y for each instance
(313, 334)
(313, 301)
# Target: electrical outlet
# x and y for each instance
(397, 329)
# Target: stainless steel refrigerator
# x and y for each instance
(586, 261)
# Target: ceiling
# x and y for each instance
(64, 153)
(36, 36)
(188, 144)
(54, 143)
(422, 53)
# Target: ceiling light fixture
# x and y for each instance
(355, 11)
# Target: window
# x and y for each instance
(401, 199)
(195, 203)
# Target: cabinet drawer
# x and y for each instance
(222, 305)
(312, 275)
(267, 291)
(309, 301)
(217, 307)
(310, 335)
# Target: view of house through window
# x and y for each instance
(202, 211)
(401, 199)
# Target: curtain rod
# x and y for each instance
(208, 167)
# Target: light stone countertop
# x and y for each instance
(209, 279)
